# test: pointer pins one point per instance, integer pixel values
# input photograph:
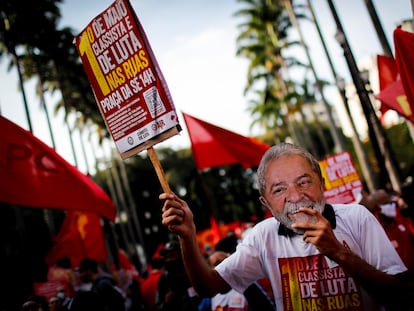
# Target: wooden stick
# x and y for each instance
(158, 169)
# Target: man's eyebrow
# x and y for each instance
(282, 182)
(276, 184)
(302, 176)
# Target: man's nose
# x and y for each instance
(294, 193)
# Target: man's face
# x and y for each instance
(291, 184)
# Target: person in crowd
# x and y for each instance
(103, 285)
(399, 228)
(31, 305)
(231, 300)
(134, 300)
(86, 300)
(55, 304)
(174, 291)
(62, 272)
(150, 283)
(257, 294)
(36, 303)
(65, 300)
(316, 255)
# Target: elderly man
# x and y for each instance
(317, 256)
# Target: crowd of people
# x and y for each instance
(309, 256)
(165, 286)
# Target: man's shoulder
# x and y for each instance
(348, 208)
(268, 224)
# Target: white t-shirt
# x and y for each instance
(230, 301)
(303, 279)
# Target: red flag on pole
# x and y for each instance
(404, 58)
(33, 174)
(79, 237)
(393, 97)
(214, 146)
(387, 71)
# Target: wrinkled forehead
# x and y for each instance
(288, 168)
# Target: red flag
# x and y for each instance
(404, 57)
(215, 228)
(393, 97)
(79, 237)
(387, 71)
(33, 174)
(214, 146)
(387, 74)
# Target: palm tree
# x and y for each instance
(336, 134)
(261, 40)
(23, 25)
(263, 37)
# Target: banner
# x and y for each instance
(32, 174)
(129, 88)
(342, 182)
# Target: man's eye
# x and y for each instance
(278, 190)
(305, 183)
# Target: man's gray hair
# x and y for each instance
(283, 149)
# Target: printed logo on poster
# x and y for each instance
(130, 90)
(342, 181)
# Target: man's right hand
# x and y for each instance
(176, 215)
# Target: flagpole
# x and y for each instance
(158, 169)
(125, 224)
(114, 196)
(85, 157)
(377, 136)
(340, 83)
(385, 47)
(12, 50)
(335, 133)
(131, 205)
(378, 28)
(133, 251)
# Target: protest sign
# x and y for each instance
(130, 90)
(342, 182)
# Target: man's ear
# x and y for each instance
(264, 202)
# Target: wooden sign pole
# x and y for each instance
(158, 169)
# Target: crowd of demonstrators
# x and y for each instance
(91, 287)
(386, 207)
(315, 255)
(310, 255)
(174, 290)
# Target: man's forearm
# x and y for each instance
(204, 279)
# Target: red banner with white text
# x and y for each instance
(129, 87)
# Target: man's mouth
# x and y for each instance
(299, 216)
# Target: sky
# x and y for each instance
(194, 42)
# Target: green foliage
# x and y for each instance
(402, 148)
